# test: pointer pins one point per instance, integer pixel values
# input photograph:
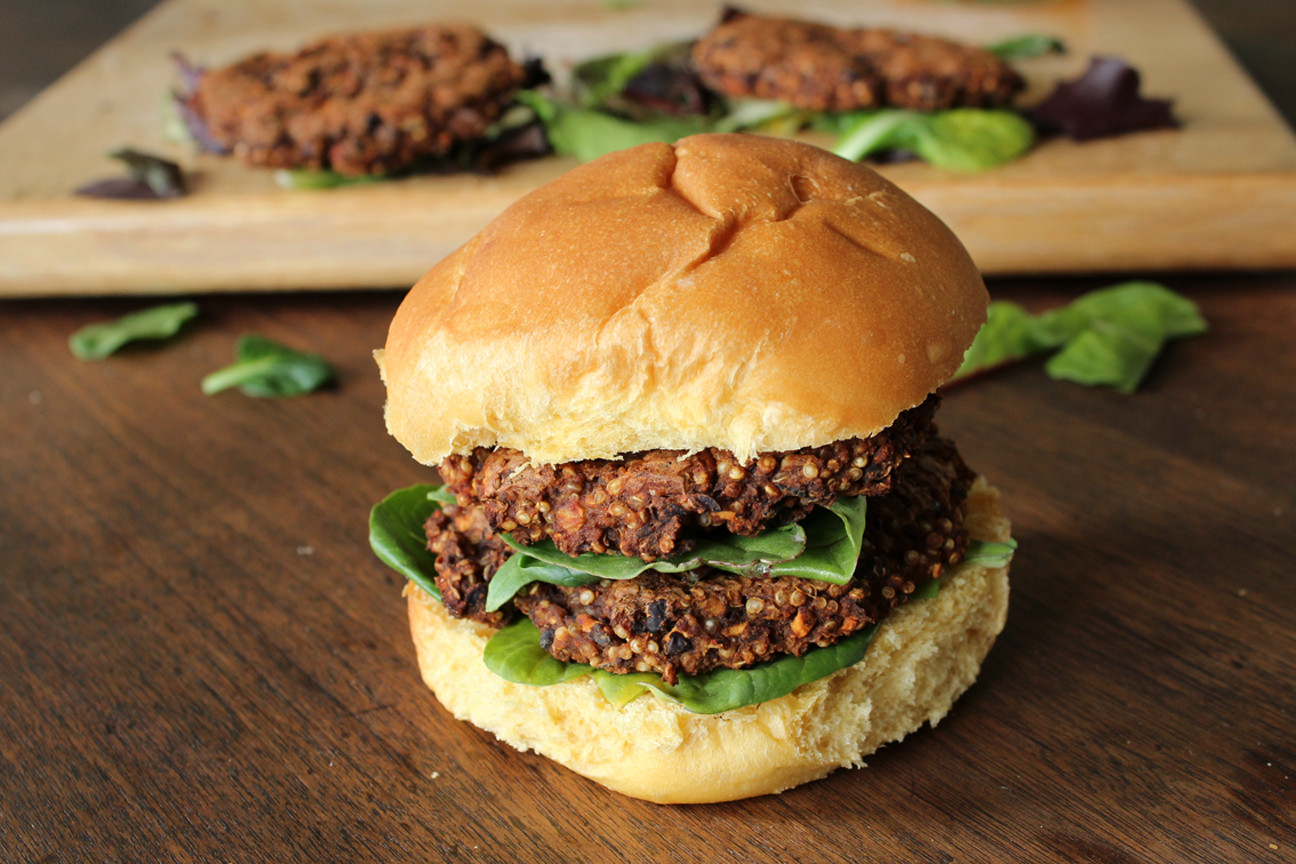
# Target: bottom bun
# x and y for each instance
(923, 656)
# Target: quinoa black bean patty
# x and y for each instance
(365, 103)
(652, 505)
(822, 68)
(706, 619)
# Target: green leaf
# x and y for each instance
(265, 368)
(587, 134)
(824, 546)
(519, 571)
(514, 654)
(971, 139)
(763, 115)
(960, 139)
(96, 341)
(397, 537)
(307, 179)
(1107, 337)
(727, 689)
(622, 689)
(926, 590)
(1026, 46)
(987, 553)
(864, 133)
(834, 538)
(599, 79)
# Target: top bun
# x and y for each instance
(741, 292)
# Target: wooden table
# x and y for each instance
(201, 661)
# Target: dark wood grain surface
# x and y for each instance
(201, 661)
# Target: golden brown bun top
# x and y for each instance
(733, 291)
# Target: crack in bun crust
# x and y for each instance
(732, 291)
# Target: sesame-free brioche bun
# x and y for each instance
(924, 654)
(733, 291)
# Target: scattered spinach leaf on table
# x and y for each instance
(268, 369)
(97, 341)
(1107, 337)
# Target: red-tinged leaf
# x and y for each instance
(1102, 102)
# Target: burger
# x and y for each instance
(697, 537)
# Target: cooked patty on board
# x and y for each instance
(823, 68)
(365, 103)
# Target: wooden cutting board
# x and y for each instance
(1219, 193)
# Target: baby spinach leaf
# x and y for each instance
(764, 115)
(300, 179)
(727, 689)
(587, 134)
(926, 590)
(825, 546)
(988, 553)
(96, 341)
(268, 369)
(397, 537)
(599, 79)
(960, 139)
(722, 550)
(520, 570)
(1026, 46)
(1107, 337)
(396, 532)
(543, 562)
(835, 536)
(622, 689)
(514, 654)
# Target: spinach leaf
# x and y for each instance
(299, 179)
(587, 134)
(988, 553)
(597, 80)
(396, 532)
(520, 570)
(514, 654)
(764, 115)
(825, 546)
(543, 562)
(727, 689)
(960, 139)
(1026, 46)
(835, 536)
(1107, 337)
(267, 369)
(96, 341)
